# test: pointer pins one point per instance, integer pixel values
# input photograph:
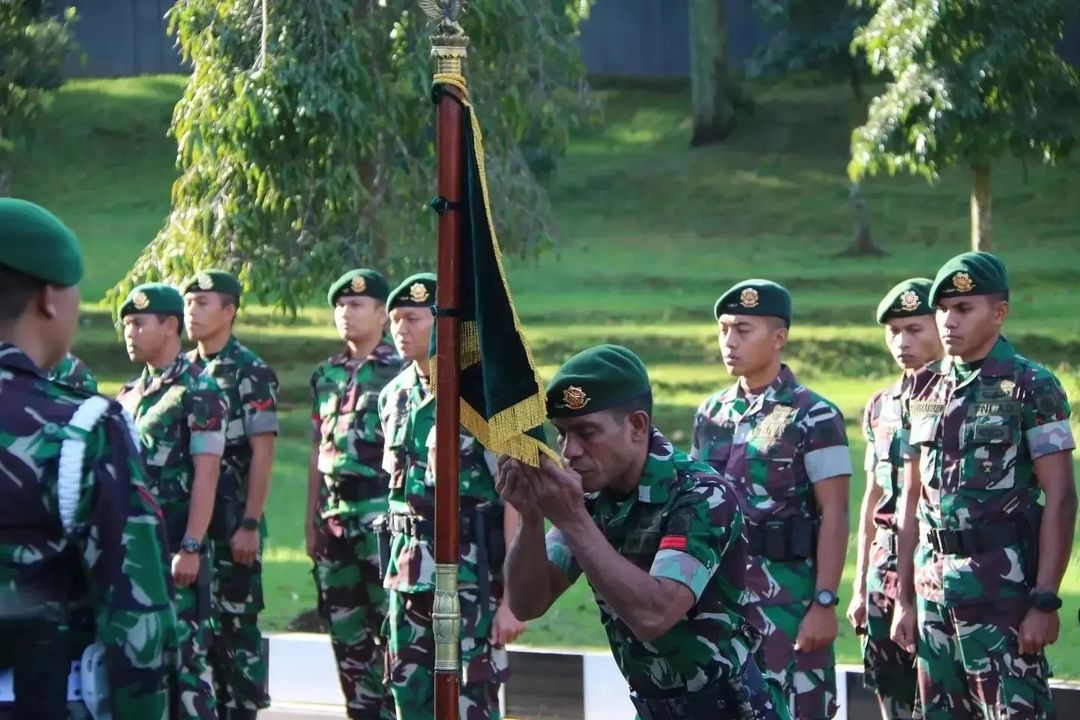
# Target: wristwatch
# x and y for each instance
(826, 598)
(1045, 601)
(250, 523)
(191, 546)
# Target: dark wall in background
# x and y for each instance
(628, 38)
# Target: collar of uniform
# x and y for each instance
(383, 353)
(228, 349)
(781, 390)
(422, 394)
(999, 363)
(12, 357)
(896, 390)
(659, 472)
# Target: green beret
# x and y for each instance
(908, 299)
(359, 283)
(755, 297)
(600, 378)
(153, 298)
(415, 291)
(35, 243)
(973, 273)
(213, 281)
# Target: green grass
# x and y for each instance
(651, 233)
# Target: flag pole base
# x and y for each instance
(446, 618)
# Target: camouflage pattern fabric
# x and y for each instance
(978, 430)
(970, 667)
(407, 410)
(179, 412)
(113, 567)
(889, 669)
(772, 447)
(685, 525)
(252, 390)
(73, 372)
(346, 426)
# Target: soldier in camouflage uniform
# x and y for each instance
(912, 339)
(73, 371)
(180, 415)
(81, 557)
(657, 535)
(990, 434)
(407, 409)
(347, 488)
(237, 530)
(784, 448)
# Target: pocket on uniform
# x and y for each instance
(989, 450)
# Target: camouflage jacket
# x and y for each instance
(73, 371)
(251, 389)
(684, 524)
(407, 409)
(978, 434)
(179, 412)
(773, 447)
(345, 424)
(886, 447)
(112, 567)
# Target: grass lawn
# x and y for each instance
(651, 233)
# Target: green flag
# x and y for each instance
(502, 399)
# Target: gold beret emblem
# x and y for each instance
(962, 282)
(204, 281)
(575, 398)
(358, 284)
(748, 298)
(909, 301)
(140, 301)
(418, 292)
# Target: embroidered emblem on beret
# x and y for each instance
(909, 301)
(575, 398)
(962, 282)
(358, 284)
(418, 292)
(204, 281)
(140, 301)
(748, 298)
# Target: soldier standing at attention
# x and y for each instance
(407, 409)
(211, 301)
(912, 339)
(74, 372)
(657, 535)
(82, 569)
(347, 488)
(982, 560)
(179, 413)
(785, 450)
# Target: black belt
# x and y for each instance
(786, 540)
(975, 540)
(886, 537)
(424, 529)
(357, 488)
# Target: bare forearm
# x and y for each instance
(865, 538)
(262, 462)
(203, 491)
(1055, 540)
(832, 547)
(907, 532)
(528, 581)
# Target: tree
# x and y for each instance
(305, 138)
(33, 45)
(815, 35)
(970, 81)
(713, 94)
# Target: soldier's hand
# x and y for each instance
(903, 627)
(856, 612)
(1038, 630)
(185, 568)
(559, 494)
(818, 629)
(505, 628)
(245, 546)
(516, 484)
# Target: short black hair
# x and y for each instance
(16, 290)
(643, 401)
(162, 317)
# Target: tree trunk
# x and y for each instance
(862, 241)
(982, 229)
(711, 89)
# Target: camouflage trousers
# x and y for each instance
(411, 653)
(198, 699)
(353, 602)
(808, 679)
(888, 669)
(970, 667)
(236, 657)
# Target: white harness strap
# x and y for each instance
(72, 454)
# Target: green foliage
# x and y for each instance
(33, 45)
(970, 81)
(810, 35)
(306, 143)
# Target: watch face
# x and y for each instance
(190, 546)
(826, 598)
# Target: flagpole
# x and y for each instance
(448, 47)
